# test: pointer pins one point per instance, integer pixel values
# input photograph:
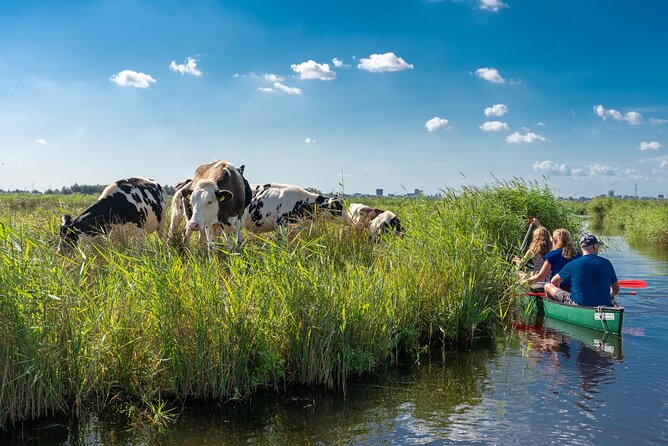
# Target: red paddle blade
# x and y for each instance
(633, 283)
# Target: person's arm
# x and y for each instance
(535, 222)
(541, 275)
(556, 280)
(614, 289)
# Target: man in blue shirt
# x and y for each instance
(593, 278)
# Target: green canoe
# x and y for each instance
(605, 319)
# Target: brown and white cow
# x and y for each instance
(139, 202)
(274, 205)
(216, 196)
(378, 221)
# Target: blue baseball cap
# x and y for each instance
(589, 240)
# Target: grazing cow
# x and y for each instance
(377, 220)
(217, 195)
(136, 201)
(274, 205)
(181, 208)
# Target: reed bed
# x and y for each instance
(131, 323)
(641, 221)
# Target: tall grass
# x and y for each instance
(136, 321)
(641, 221)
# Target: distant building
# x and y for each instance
(660, 196)
(379, 192)
(611, 193)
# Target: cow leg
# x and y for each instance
(212, 236)
(174, 223)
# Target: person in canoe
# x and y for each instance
(563, 251)
(541, 244)
(593, 278)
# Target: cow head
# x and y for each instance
(205, 200)
(335, 206)
(69, 234)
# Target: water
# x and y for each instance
(552, 385)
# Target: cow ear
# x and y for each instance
(66, 220)
(224, 195)
(186, 193)
(241, 169)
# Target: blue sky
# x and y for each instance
(397, 95)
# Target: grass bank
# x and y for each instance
(641, 221)
(132, 323)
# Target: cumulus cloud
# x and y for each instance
(493, 126)
(496, 110)
(339, 63)
(436, 123)
(129, 78)
(529, 137)
(188, 67)
(551, 168)
(492, 5)
(310, 141)
(266, 89)
(381, 63)
(313, 70)
(652, 145)
(631, 118)
(600, 169)
(41, 141)
(491, 75)
(288, 90)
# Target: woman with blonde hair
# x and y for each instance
(541, 244)
(563, 251)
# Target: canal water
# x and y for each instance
(546, 382)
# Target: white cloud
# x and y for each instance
(578, 173)
(310, 141)
(599, 169)
(129, 78)
(551, 168)
(339, 63)
(664, 163)
(491, 75)
(380, 63)
(493, 126)
(655, 121)
(631, 118)
(541, 124)
(491, 5)
(189, 67)
(313, 70)
(41, 141)
(266, 90)
(652, 145)
(629, 172)
(285, 89)
(529, 137)
(496, 110)
(436, 123)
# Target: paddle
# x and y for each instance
(526, 238)
(542, 294)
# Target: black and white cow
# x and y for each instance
(274, 205)
(217, 196)
(181, 208)
(377, 220)
(136, 201)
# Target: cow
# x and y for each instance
(181, 208)
(139, 202)
(274, 205)
(378, 221)
(217, 196)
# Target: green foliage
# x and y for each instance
(134, 321)
(642, 221)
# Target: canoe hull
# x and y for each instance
(605, 319)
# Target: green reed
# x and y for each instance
(641, 221)
(131, 321)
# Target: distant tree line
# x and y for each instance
(84, 189)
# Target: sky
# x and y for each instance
(344, 96)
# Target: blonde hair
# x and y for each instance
(541, 241)
(563, 240)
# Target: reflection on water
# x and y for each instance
(546, 382)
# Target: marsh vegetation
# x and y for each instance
(133, 325)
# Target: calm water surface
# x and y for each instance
(553, 384)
